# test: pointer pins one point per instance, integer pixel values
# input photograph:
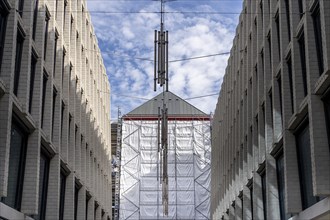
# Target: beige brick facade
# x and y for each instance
(272, 115)
(62, 103)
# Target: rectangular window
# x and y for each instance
(287, 11)
(35, 16)
(279, 84)
(277, 22)
(63, 66)
(289, 64)
(264, 192)
(43, 183)
(305, 166)
(251, 199)
(62, 115)
(318, 38)
(17, 156)
(280, 183)
(18, 60)
(20, 7)
(270, 95)
(64, 13)
(46, 23)
(62, 193)
(301, 42)
(55, 52)
(300, 6)
(3, 22)
(53, 111)
(88, 197)
(326, 102)
(43, 99)
(270, 51)
(76, 194)
(56, 8)
(95, 209)
(262, 14)
(32, 76)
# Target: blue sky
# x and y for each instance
(196, 28)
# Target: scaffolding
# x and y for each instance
(117, 171)
(189, 160)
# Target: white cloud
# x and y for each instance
(124, 38)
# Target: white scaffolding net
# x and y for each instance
(189, 160)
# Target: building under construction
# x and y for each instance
(187, 167)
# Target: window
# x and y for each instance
(43, 183)
(44, 87)
(62, 193)
(264, 192)
(62, 115)
(55, 51)
(262, 13)
(305, 166)
(18, 59)
(76, 194)
(63, 66)
(280, 183)
(35, 16)
(277, 22)
(326, 102)
(46, 33)
(88, 197)
(64, 13)
(95, 209)
(270, 50)
(318, 38)
(17, 156)
(32, 76)
(250, 186)
(56, 8)
(287, 11)
(20, 7)
(53, 111)
(301, 42)
(279, 84)
(289, 64)
(3, 22)
(270, 95)
(300, 5)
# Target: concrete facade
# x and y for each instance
(54, 90)
(270, 133)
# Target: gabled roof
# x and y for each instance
(177, 108)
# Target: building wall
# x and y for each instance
(55, 109)
(270, 133)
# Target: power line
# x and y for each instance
(203, 96)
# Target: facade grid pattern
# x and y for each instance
(270, 132)
(53, 87)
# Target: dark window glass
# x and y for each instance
(53, 111)
(63, 66)
(277, 22)
(62, 193)
(43, 184)
(326, 102)
(263, 188)
(301, 42)
(300, 6)
(262, 13)
(251, 200)
(279, 84)
(69, 130)
(64, 14)
(18, 59)
(62, 115)
(95, 209)
(280, 183)
(17, 156)
(271, 108)
(270, 51)
(289, 64)
(35, 16)
(55, 51)
(56, 7)
(76, 194)
(32, 76)
(44, 87)
(46, 34)
(20, 7)
(287, 11)
(318, 38)
(305, 167)
(3, 22)
(88, 197)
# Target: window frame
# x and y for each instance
(18, 58)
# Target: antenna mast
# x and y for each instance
(161, 78)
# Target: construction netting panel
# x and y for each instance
(189, 160)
